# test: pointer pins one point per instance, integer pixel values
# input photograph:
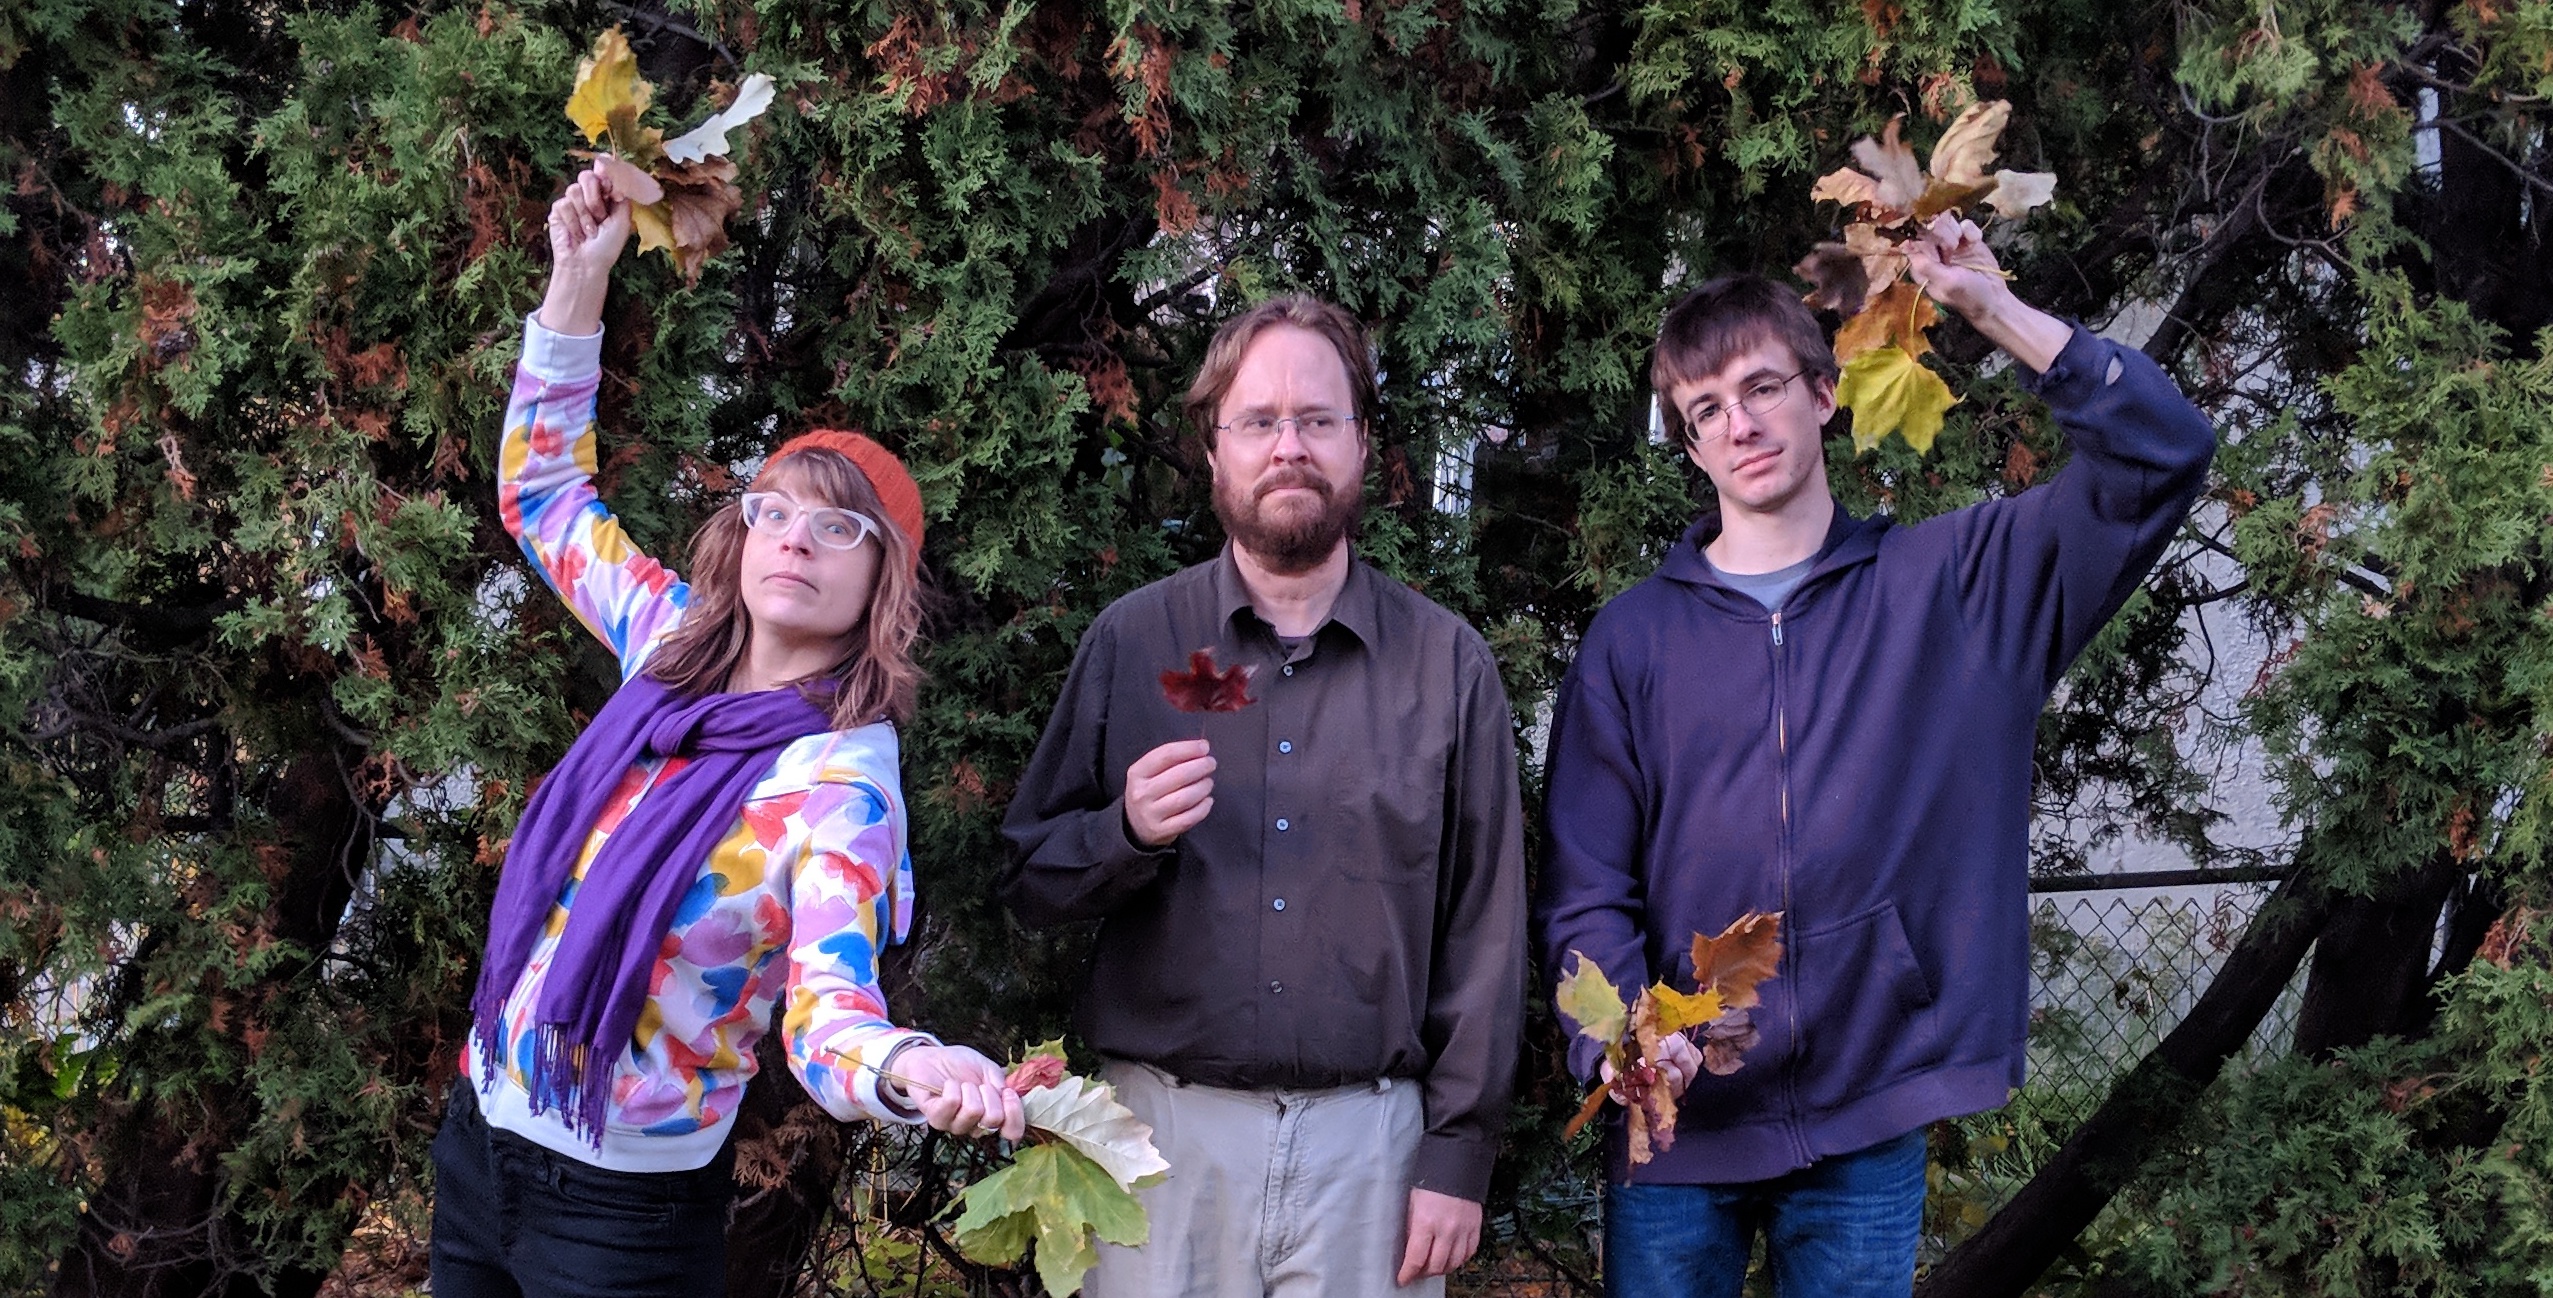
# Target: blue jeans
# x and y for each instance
(515, 1220)
(1842, 1227)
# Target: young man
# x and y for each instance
(1309, 971)
(1833, 718)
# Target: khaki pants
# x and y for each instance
(1287, 1194)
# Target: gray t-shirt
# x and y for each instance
(1768, 588)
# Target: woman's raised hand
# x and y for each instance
(961, 1092)
(589, 225)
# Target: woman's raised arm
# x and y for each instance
(546, 464)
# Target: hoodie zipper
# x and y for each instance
(1790, 949)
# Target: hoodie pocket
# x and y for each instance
(1867, 1017)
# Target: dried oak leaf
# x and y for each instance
(1202, 688)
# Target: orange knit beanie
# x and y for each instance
(886, 475)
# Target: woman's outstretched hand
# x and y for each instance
(589, 225)
(961, 1092)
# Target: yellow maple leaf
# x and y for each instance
(607, 82)
(1592, 1002)
(1889, 391)
(1671, 1011)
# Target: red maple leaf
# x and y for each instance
(1035, 1072)
(1203, 689)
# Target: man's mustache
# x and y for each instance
(1280, 479)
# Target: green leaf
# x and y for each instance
(1086, 1115)
(1889, 391)
(1592, 1002)
(1066, 1200)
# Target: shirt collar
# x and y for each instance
(1356, 609)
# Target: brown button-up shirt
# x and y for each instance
(1352, 908)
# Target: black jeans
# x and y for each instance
(515, 1220)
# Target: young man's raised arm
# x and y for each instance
(2040, 573)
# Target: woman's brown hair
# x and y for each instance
(877, 679)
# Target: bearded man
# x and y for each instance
(1309, 969)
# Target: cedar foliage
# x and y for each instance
(276, 684)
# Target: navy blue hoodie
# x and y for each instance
(1860, 760)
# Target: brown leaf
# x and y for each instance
(2507, 936)
(699, 197)
(1745, 953)
(1943, 196)
(1846, 186)
(168, 308)
(1844, 275)
(1892, 165)
(1897, 317)
(1725, 1043)
(178, 477)
(2020, 465)
(1202, 688)
(1587, 1111)
(1961, 156)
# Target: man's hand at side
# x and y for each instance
(1444, 1232)
(1169, 791)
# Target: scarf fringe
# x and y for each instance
(572, 1078)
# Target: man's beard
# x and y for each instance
(1290, 540)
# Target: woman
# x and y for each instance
(728, 831)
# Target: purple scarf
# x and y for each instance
(598, 979)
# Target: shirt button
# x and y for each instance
(1285, 745)
(1289, 669)
(1276, 989)
(1283, 825)
(1278, 904)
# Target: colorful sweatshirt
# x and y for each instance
(795, 902)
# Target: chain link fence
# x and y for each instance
(2115, 966)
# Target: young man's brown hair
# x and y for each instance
(1714, 324)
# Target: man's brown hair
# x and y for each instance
(1303, 311)
(1716, 323)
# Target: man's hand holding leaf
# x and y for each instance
(1649, 1057)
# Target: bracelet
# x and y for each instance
(890, 1089)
